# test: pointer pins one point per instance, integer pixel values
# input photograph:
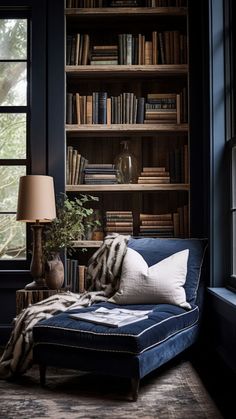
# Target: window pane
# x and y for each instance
(12, 238)
(12, 84)
(13, 39)
(12, 136)
(9, 180)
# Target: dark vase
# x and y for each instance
(54, 272)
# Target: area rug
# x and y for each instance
(172, 392)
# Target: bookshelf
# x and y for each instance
(127, 188)
(86, 244)
(154, 42)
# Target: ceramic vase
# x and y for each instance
(54, 272)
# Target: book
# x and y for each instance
(115, 317)
(155, 217)
(81, 278)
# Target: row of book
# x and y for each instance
(118, 222)
(154, 175)
(164, 3)
(75, 276)
(127, 108)
(70, 4)
(75, 164)
(166, 47)
(179, 164)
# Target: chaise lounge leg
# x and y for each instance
(134, 388)
(42, 374)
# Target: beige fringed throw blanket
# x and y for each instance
(102, 281)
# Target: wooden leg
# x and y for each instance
(42, 373)
(134, 388)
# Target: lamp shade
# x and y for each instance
(36, 199)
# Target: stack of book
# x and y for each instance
(75, 164)
(154, 175)
(156, 225)
(104, 54)
(100, 174)
(75, 276)
(162, 108)
(119, 222)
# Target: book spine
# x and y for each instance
(81, 278)
(102, 108)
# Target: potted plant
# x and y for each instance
(72, 221)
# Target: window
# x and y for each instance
(14, 117)
(231, 128)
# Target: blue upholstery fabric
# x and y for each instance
(163, 322)
(155, 250)
(115, 363)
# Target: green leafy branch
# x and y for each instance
(73, 220)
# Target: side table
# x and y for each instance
(26, 297)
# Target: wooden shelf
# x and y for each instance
(86, 243)
(128, 187)
(103, 12)
(158, 70)
(119, 130)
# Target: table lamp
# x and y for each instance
(36, 204)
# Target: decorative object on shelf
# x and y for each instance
(36, 204)
(54, 272)
(126, 165)
(98, 235)
(71, 224)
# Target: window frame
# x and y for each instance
(20, 264)
(230, 117)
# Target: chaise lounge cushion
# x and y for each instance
(163, 322)
(154, 250)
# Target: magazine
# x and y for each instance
(114, 317)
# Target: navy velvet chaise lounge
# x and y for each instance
(136, 349)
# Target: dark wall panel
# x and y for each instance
(46, 122)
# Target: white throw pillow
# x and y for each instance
(161, 283)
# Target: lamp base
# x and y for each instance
(36, 285)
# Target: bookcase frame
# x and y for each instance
(91, 133)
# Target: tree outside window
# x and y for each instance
(13, 132)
